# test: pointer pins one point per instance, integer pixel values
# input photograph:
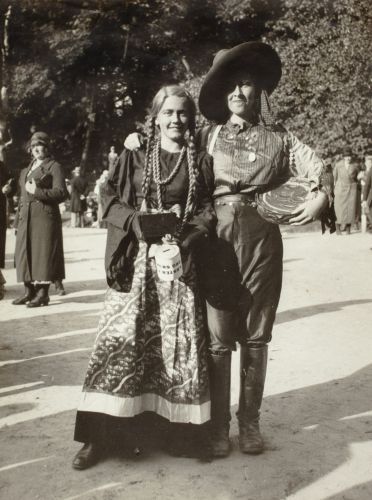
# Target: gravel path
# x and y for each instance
(316, 415)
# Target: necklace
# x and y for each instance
(156, 171)
(175, 170)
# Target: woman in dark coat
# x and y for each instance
(39, 248)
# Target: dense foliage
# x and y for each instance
(85, 70)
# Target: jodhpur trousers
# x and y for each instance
(243, 276)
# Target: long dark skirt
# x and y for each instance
(150, 355)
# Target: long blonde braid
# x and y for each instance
(147, 174)
(193, 172)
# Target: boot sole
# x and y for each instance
(37, 305)
(221, 454)
(251, 452)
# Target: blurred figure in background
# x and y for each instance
(2, 283)
(362, 178)
(100, 184)
(345, 175)
(367, 187)
(7, 184)
(113, 158)
(79, 192)
(6, 189)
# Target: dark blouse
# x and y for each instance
(122, 197)
(176, 191)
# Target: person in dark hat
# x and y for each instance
(79, 193)
(7, 185)
(345, 175)
(39, 247)
(243, 275)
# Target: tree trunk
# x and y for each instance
(5, 138)
(5, 49)
(91, 119)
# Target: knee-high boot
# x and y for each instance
(253, 362)
(28, 295)
(220, 381)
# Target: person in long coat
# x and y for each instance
(39, 255)
(6, 188)
(367, 194)
(78, 204)
(345, 175)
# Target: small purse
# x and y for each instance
(156, 225)
(45, 181)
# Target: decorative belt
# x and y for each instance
(237, 199)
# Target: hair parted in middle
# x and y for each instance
(153, 147)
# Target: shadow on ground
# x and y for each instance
(300, 451)
(305, 312)
(309, 432)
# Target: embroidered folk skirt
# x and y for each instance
(150, 354)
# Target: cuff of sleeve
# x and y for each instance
(199, 228)
(327, 191)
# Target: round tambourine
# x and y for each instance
(277, 205)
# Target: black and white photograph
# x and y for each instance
(185, 249)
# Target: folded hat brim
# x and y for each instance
(256, 58)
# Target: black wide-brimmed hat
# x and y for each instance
(256, 58)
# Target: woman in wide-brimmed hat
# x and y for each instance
(251, 153)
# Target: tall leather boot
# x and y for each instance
(338, 229)
(220, 382)
(41, 298)
(28, 295)
(253, 362)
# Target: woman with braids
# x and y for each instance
(150, 354)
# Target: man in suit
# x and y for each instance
(79, 193)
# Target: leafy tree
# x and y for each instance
(85, 70)
(325, 92)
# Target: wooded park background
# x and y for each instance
(85, 70)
